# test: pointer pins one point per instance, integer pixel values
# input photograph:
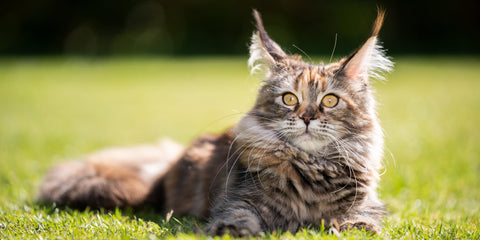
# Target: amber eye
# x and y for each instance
(290, 99)
(330, 101)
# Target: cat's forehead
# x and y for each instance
(306, 77)
(310, 77)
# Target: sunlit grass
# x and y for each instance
(58, 108)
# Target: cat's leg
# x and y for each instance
(360, 222)
(237, 218)
(366, 217)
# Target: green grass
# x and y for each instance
(53, 109)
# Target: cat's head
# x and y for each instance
(311, 105)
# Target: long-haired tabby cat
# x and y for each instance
(308, 152)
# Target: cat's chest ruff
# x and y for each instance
(291, 169)
(307, 191)
(299, 186)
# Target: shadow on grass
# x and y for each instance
(173, 225)
(176, 227)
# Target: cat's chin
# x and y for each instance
(308, 143)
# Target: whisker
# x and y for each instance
(309, 58)
(334, 46)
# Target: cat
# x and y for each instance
(307, 153)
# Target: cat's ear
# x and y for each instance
(370, 59)
(264, 52)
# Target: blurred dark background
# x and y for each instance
(190, 27)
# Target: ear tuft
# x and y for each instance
(377, 25)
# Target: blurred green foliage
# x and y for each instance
(187, 27)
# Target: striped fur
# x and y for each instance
(282, 167)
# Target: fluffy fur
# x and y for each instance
(288, 163)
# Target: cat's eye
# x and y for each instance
(290, 99)
(330, 101)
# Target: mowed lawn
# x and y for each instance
(52, 109)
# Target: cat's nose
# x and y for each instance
(307, 118)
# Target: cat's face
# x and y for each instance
(311, 106)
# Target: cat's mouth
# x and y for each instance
(307, 136)
(306, 130)
(308, 142)
(306, 133)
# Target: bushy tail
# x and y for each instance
(117, 177)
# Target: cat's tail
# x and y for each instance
(116, 177)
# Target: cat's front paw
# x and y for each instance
(367, 226)
(237, 228)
